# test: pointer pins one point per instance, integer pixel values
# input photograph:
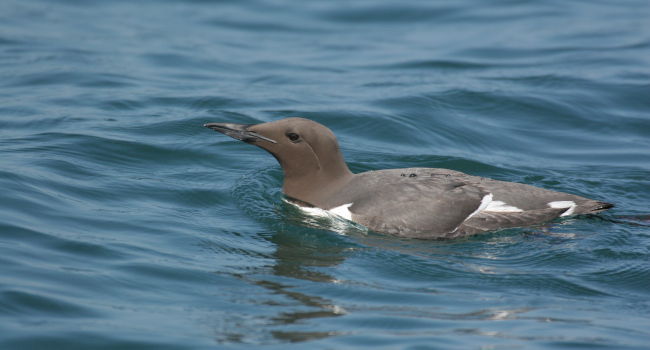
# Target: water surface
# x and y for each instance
(124, 224)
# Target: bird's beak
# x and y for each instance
(238, 131)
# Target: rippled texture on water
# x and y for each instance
(126, 225)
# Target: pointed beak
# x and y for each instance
(238, 131)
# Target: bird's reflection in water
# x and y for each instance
(306, 250)
(298, 255)
(303, 252)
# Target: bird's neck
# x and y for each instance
(314, 187)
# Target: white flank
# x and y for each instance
(502, 207)
(313, 211)
(485, 202)
(342, 211)
(338, 219)
(570, 205)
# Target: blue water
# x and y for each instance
(124, 224)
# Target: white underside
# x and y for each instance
(340, 211)
(570, 205)
(338, 219)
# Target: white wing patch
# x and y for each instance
(502, 207)
(485, 202)
(570, 205)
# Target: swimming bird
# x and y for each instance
(413, 202)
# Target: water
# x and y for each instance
(124, 224)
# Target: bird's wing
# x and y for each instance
(441, 203)
(490, 221)
(421, 207)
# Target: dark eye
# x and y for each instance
(293, 136)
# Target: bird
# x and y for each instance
(424, 203)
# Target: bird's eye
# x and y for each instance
(293, 136)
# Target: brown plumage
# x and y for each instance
(415, 202)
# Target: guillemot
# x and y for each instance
(412, 202)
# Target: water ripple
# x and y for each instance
(126, 224)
